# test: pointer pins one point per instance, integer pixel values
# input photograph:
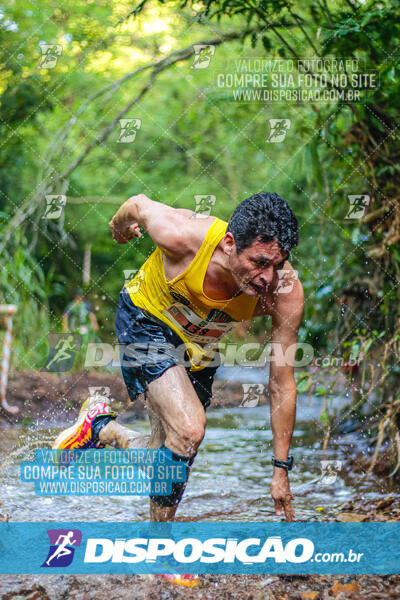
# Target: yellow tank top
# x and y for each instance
(182, 304)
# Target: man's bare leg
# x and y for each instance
(178, 419)
(114, 434)
(157, 436)
(158, 513)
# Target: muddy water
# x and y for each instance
(229, 480)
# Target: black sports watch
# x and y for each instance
(283, 464)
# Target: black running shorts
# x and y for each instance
(148, 347)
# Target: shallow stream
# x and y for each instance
(229, 480)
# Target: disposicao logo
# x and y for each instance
(62, 547)
(189, 550)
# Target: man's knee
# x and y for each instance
(193, 435)
(187, 439)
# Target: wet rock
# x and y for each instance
(385, 503)
(351, 517)
(338, 588)
(34, 593)
(348, 427)
(309, 595)
(267, 581)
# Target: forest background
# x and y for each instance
(61, 128)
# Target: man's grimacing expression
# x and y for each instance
(254, 268)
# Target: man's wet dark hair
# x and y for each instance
(266, 217)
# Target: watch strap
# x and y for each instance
(283, 464)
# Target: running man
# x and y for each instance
(205, 276)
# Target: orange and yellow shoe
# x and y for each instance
(169, 564)
(79, 435)
(178, 579)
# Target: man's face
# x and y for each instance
(255, 267)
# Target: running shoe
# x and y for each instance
(79, 435)
(187, 580)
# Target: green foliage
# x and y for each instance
(25, 284)
(193, 140)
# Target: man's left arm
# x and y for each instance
(287, 311)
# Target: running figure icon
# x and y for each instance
(62, 549)
(63, 347)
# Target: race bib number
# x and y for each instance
(196, 328)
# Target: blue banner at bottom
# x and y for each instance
(196, 547)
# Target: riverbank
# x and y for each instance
(51, 398)
(212, 587)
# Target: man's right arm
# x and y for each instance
(170, 228)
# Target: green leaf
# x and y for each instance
(266, 43)
(367, 345)
(302, 386)
(324, 417)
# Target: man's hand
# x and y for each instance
(124, 225)
(281, 494)
(124, 235)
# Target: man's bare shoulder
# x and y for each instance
(194, 228)
(186, 234)
(178, 232)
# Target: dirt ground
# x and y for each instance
(212, 587)
(49, 398)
